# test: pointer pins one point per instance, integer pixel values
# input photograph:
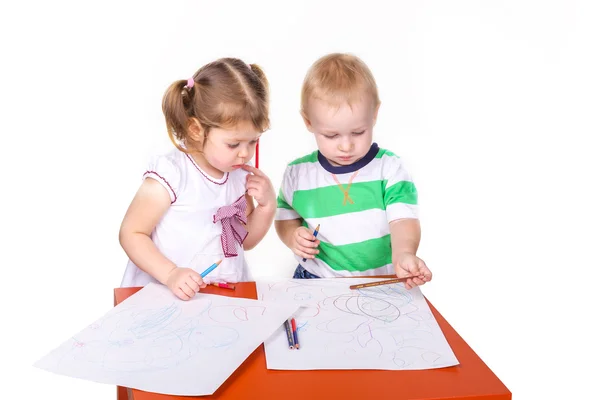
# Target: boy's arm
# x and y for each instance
(406, 236)
(287, 220)
(300, 241)
(288, 223)
(400, 199)
(285, 230)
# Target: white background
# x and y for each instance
(492, 104)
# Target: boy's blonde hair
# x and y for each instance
(338, 78)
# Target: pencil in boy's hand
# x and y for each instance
(288, 332)
(209, 269)
(315, 233)
(379, 283)
(295, 334)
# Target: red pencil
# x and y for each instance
(295, 333)
(223, 285)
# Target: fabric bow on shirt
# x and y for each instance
(232, 217)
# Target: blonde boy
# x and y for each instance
(361, 196)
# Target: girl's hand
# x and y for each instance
(184, 282)
(304, 243)
(409, 265)
(259, 186)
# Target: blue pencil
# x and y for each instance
(315, 233)
(209, 269)
(288, 332)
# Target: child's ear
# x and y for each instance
(376, 113)
(195, 131)
(306, 121)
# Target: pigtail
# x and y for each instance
(175, 105)
(263, 79)
(262, 91)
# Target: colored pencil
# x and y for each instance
(315, 233)
(209, 269)
(379, 283)
(288, 331)
(223, 285)
(295, 333)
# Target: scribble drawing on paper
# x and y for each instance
(155, 342)
(139, 340)
(381, 327)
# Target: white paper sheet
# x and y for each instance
(382, 327)
(155, 342)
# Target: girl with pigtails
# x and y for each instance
(203, 201)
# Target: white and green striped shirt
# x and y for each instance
(354, 205)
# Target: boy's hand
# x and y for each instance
(409, 265)
(184, 282)
(259, 186)
(304, 243)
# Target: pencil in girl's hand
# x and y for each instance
(209, 269)
(295, 334)
(288, 332)
(315, 233)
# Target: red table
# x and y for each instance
(471, 380)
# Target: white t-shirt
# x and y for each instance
(186, 234)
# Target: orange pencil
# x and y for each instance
(379, 283)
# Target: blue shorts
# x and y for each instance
(301, 273)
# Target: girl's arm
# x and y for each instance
(261, 217)
(259, 221)
(147, 208)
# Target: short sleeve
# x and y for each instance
(285, 211)
(163, 170)
(400, 194)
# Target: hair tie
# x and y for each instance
(190, 83)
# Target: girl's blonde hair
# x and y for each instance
(221, 94)
(338, 78)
